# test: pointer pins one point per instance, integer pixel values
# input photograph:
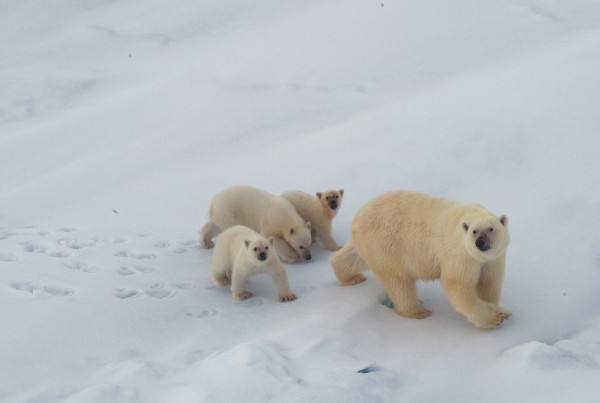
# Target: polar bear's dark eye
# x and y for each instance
(255, 249)
(474, 231)
(266, 248)
(491, 229)
(301, 247)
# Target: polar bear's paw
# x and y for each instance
(287, 297)
(490, 316)
(243, 295)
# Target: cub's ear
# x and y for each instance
(247, 243)
(271, 240)
(319, 195)
(465, 226)
(504, 220)
(341, 191)
(307, 225)
(291, 231)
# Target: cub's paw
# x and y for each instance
(243, 295)
(222, 281)
(287, 297)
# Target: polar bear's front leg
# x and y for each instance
(238, 285)
(328, 242)
(280, 279)
(460, 288)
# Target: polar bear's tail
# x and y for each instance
(348, 265)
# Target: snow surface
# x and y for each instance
(120, 119)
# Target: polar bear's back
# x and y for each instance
(409, 227)
(239, 205)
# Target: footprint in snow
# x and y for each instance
(84, 267)
(129, 271)
(205, 313)
(7, 257)
(125, 293)
(250, 302)
(72, 243)
(158, 291)
(136, 255)
(44, 290)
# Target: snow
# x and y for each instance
(119, 120)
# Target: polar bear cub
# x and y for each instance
(319, 211)
(406, 236)
(240, 253)
(269, 215)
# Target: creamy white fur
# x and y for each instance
(407, 236)
(237, 257)
(269, 215)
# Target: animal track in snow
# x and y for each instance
(128, 271)
(7, 257)
(250, 302)
(205, 313)
(72, 243)
(36, 289)
(36, 247)
(157, 290)
(136, 255)
(125, 293)
(84, 267)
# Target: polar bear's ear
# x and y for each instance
(271, 240)
(465, 226)
(319, 195)
(341, 191)
(247, 243)
(307, 225)
(504, 220)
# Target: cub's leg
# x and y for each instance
(348, 266)
(328, 242)
(280, 279)
(238, 284)
(207, 233)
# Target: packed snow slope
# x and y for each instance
(119, 120)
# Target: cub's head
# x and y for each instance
(261, 249)
(331, 199)
(486, 236)
(299, 239)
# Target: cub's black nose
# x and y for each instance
(333, 204)
(482, 244)
(262, 256)
(308, 257)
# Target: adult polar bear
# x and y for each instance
(269, 215)
(405, 236)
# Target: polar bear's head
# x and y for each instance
(331, 200)
(486, 236)
(299, 239)
(260, 249)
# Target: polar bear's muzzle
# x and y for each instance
(483, 243)
(333, 204)
(262, 256)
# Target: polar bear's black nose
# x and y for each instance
(262, 256)
(333, 204)
(482, 244)
(308, 256)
